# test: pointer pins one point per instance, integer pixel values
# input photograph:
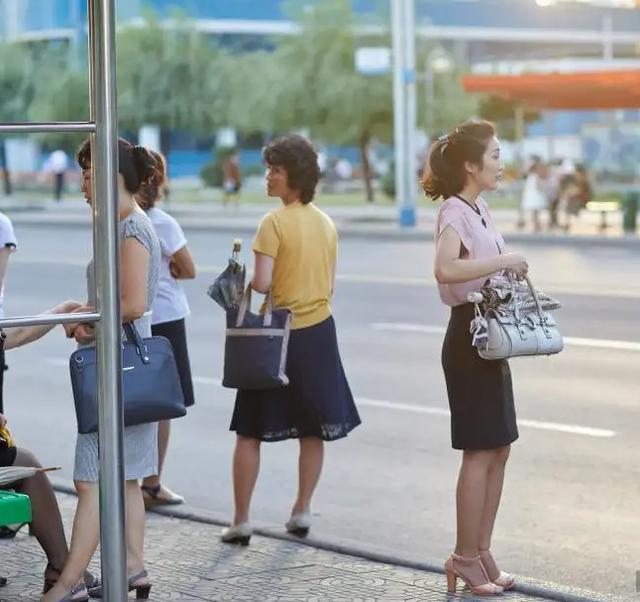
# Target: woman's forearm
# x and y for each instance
(23, 335)
(456, 271)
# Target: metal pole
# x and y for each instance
(429, 97)
(49, 127)
(408, 212)
(108, 341)
(43, 319)
(399, 104)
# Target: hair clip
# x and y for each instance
(443, 138)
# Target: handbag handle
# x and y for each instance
(133, 336)
(534, 294)
(245, 305)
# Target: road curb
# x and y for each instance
(349, 230)
(530, 587)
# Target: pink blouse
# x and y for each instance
(479, 242)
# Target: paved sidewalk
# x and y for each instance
(186, 561)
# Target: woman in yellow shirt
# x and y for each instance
(295, 257)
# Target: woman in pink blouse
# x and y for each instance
(461, 166)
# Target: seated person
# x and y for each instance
(46, 524)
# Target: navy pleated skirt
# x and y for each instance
(480, 391)
(316, 403)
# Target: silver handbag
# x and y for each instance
(508, 330)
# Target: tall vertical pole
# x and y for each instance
(408, 211)
(404, 101)
(399, 102)
(108, 341)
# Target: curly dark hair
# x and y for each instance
(299, 159)
(151, 190)
(135, 163)
(444, 172)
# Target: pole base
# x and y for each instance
(407, 217)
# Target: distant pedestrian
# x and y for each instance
(232, 178)
(534, 199)
(469, 249)
(576, 191)
(170, 310)
(58, 164)
(7, 246)
(295, 258)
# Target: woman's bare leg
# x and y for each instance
(246, 465)
(84, 540)
(309, 470)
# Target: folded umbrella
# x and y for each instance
(228, 288)
(11, 474)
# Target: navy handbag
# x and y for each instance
(255, 353)
(151, 388)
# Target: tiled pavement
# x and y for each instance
(187, 562)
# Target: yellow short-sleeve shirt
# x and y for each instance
(303, 241)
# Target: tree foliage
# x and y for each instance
(168, 76)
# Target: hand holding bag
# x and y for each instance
(151, 388)
(507, 331)
(255, 354)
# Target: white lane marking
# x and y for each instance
(558, 289)
(418, 409)
(572, 341)
(203, 380)
(57, 361)
(534, 424)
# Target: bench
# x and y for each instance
(603, 207)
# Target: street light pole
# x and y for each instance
(404, 101)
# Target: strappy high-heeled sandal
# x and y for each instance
(460, 567)
(140, 583)
(77, 594)
(505, 580)
(50, 581)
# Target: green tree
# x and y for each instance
(62, 94)
(310, 81)
(502, 112)
(169, 76)
(16, 94)
(338, 104)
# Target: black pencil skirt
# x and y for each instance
(480, 392)
(176, 332)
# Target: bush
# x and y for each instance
(389, 181)
(211, 172)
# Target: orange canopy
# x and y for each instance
(589, 90)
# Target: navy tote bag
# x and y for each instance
(255, 353)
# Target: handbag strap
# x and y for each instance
(534, 294)
(133, 336)
(245, 305)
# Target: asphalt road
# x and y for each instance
(570, 506)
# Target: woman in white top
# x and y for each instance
(7, 246)
(534, 198)
(169, 312)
